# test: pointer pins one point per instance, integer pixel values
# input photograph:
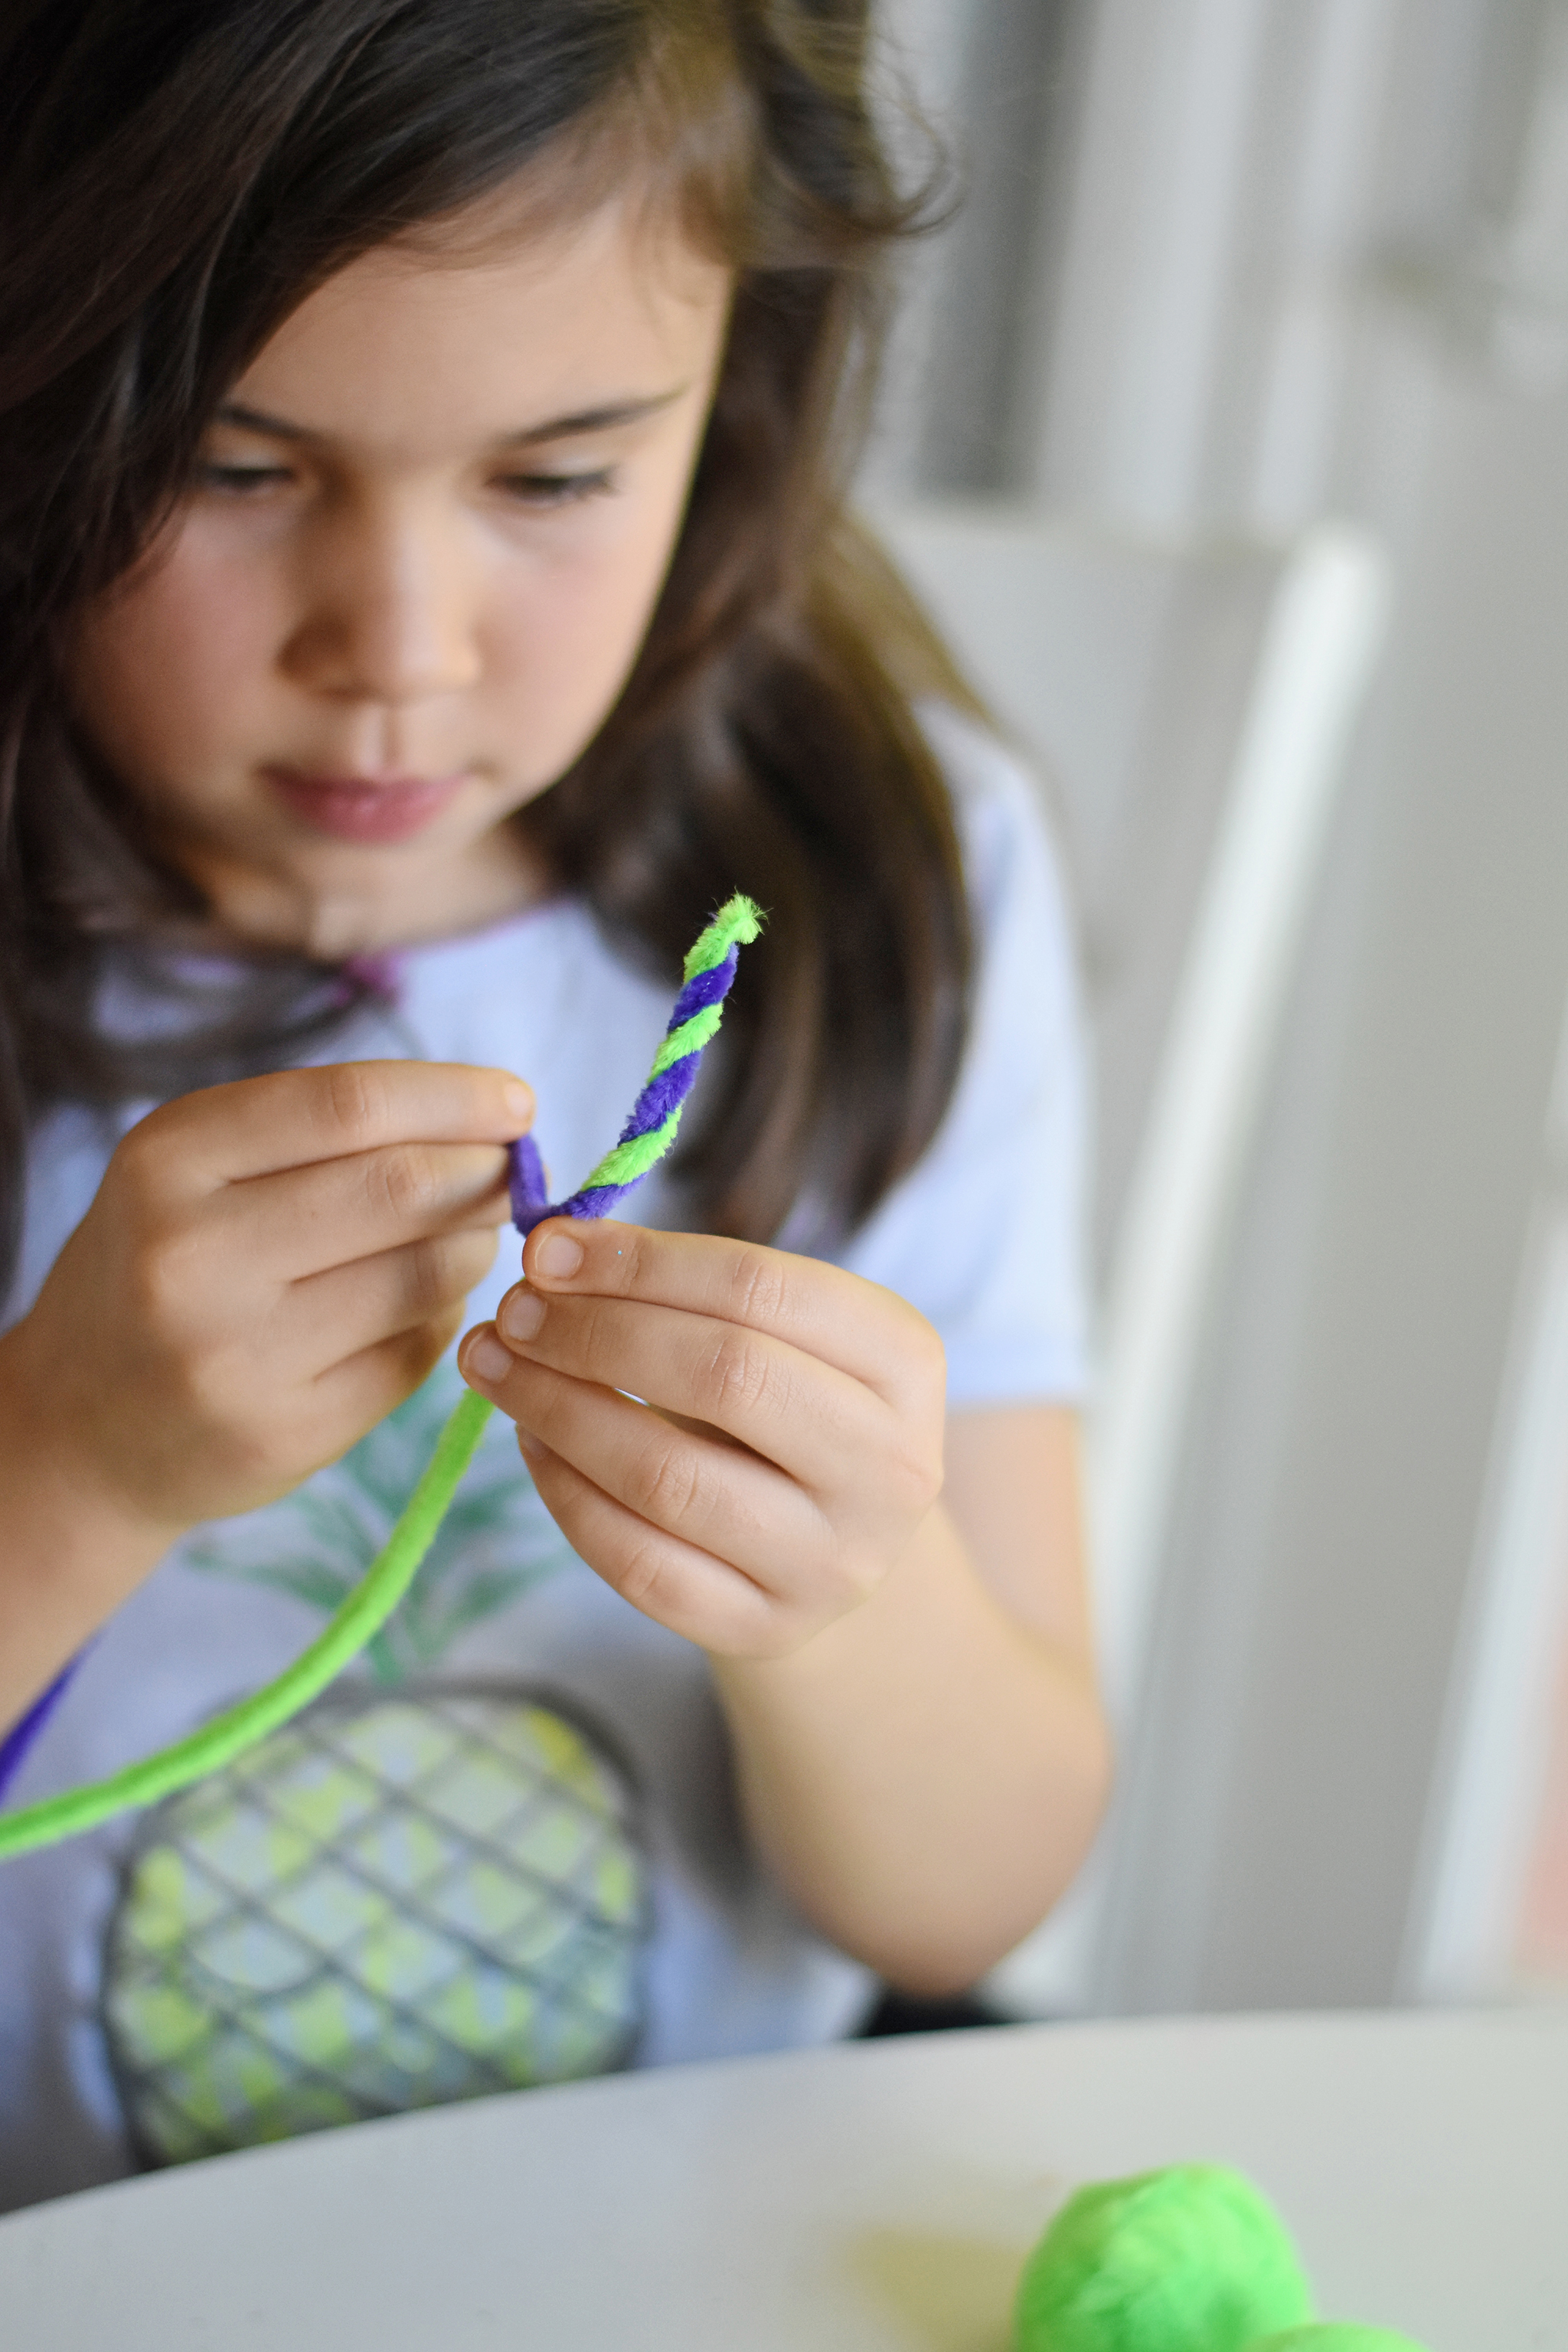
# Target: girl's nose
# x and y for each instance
(391, 612)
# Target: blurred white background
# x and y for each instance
(1243, 289)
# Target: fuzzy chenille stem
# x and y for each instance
(655, 1115)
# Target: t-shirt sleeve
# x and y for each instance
(988, 1234)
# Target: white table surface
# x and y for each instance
(878, 2196)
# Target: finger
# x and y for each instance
(857, 1327)
(289, 1119)
(674, 1582)
(296, 1224)
(721, 1499)
(355, 1395)
(340, 1314)
(817, 1424)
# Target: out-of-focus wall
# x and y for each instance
(994, 81)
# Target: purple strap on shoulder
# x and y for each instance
(19, 1739)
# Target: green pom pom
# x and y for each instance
(1169, 2261)
(1336, 2335)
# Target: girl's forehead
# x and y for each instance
(413, 349)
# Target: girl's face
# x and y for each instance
(431, 524)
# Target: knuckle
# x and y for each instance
(918, 1457)
(429, 1278)
(405, 1182)
(590, 1323)
(354, 1098)
(209, 1387)
(737, 1376)
(642, 1575)
(167, 1276)
(760, 1285)
(429, 1343)
(470, 1255)
(137, 1168)
(665, 1482)
(443, 1271)
(630, 1261)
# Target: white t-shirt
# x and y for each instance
(985, 1237)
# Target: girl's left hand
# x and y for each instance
(789, 1442)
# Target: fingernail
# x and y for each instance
(521, 1313)
(558, 1254)
(484, 1357)
(519, 1100)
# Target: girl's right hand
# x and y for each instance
(266, 1269)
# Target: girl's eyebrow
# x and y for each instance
(555, 428)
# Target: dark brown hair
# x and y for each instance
(175, 175)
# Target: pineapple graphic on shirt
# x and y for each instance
(496, 1543)
(416, 1892)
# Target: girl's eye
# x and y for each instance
(558, 489)
(240, 480)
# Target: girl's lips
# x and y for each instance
(364, 808)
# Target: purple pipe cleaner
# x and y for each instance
(19, 1739)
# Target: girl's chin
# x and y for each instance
(328, 893)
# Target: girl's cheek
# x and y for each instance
(572, 624)
(161, 672)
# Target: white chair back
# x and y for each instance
(1187, 706)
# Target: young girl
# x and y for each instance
(427, 594)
